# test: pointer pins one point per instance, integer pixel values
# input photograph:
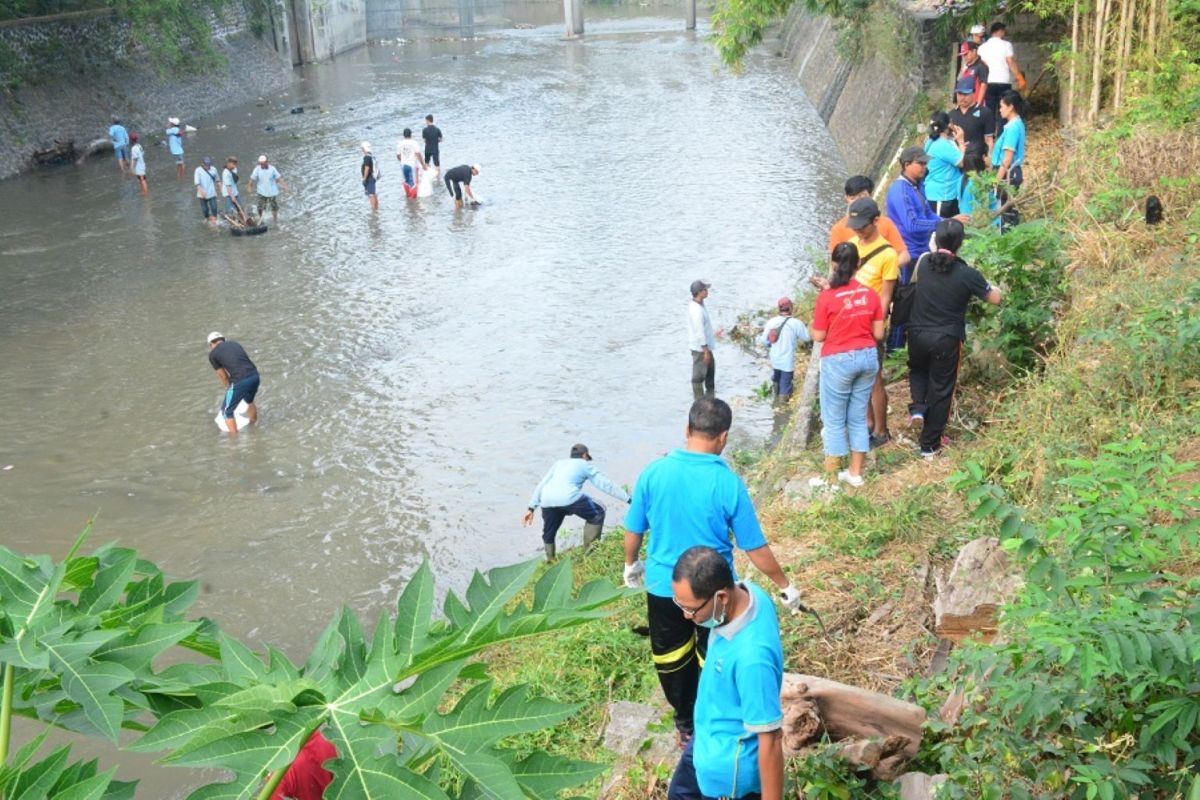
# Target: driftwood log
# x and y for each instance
(848, 712)
(91, 148)
(59, 153)
(969, 599)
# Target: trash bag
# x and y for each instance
(425, 182)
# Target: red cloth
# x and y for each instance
(846, 313)
(306, 779)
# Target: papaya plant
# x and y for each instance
(79, 638)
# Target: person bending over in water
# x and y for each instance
(237, 374)
(459, 178)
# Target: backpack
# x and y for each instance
(773, 334)
(904, 297)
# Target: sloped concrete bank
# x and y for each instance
(67, 77)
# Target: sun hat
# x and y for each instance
(212, 337)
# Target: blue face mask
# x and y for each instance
(714, 621)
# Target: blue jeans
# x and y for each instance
(208, 207)
(684, 785)
(846, 380)
(409, 174)
(229, 206)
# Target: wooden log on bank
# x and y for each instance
(848, 712)
(58, 153)
(91, 148)
(968, 601)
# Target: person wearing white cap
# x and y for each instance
(459, 178)
(369, 174)
(265, 181)
(175, 143)
(237, 374)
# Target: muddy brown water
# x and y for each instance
(420, 367)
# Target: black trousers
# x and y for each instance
(992, 100)
(678, 647)
(585, 508)
(946, 208)
(932, 376)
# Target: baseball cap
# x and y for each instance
(977, 29)
(863, 212)
(965, 85)
(784, 302)
(212, 337)
(207, 161)
(477, 168)
(366, 146)
(914, 153)
(699, 286)
(262, 159)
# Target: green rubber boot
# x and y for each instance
(549, 550)
(591, 533)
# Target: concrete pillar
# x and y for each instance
(573, 12)
(466, 19)
(690, 10)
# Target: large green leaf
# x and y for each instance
(545, 775)
(89, 682)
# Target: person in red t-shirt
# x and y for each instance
(306, 778)
(848, 320)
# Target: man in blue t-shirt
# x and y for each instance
(691, 497)
(174, 133)
(120, 140)
(737, 750)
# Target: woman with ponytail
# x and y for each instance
(937, 328)
(1008, 154)
(848, 319)
(945, 147)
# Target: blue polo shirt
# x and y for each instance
(687, 499)
(944, 180)
(738, 699)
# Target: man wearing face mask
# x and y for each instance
(737, 750)
(691, 497)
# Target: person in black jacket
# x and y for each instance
(937, 328)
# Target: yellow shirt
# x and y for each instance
(883, 266)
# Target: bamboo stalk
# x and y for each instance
(1122, 48)
(1098, 58)
(1074, 57)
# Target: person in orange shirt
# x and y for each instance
(861, 186)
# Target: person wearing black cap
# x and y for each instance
(907, 206)
(560, 494)
(976, 120)
(701, 342)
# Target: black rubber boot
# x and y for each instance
(592, 532)
(549, 550)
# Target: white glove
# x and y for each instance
(791, 598)
(633, 574)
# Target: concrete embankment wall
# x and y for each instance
(72, 74)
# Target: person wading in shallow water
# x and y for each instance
(237, 374)
(458, 180)
(560, 494)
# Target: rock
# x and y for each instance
(968, 601)
(918, 785)
(628, 726)
(298, 110)
(804, 488)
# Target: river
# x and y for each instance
(421, 367)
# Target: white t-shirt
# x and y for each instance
(407, 151)
(266, 180)
(204, 180)
(996, 52)
(139, 159)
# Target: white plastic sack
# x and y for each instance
(425, 182)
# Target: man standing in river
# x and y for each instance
(432, 135)
(266, 181)
(691, 497)
(701, 342)
(237, 374)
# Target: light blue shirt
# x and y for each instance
(792, 333)
(945, 178)
(685, 499)
(1011, 138)
(966, 201)
(266, 181)
(118, 134)
(738, 698)
(563, 484)
(174, 140)
(206, 179)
